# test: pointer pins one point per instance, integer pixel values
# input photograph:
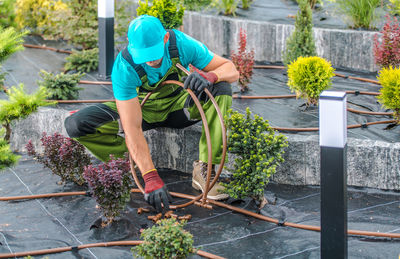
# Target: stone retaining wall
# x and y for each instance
(370, 163)
(348, 49)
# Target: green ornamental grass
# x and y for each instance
(309, 76)
(359, 13)
(390, 91)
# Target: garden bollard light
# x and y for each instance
(106, 37)
(333, 138)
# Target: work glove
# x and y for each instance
(155, 191)
(198, 80)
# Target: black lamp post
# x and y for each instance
(333, 139)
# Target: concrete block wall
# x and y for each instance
(370, 163)
(349, 49)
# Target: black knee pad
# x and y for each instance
(86, 121)
(73, 126)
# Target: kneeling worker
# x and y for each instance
(149, 60)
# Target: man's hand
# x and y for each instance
(155, 191)
(198, 80)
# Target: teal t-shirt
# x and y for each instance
(125, 79)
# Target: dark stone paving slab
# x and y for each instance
(65, 221)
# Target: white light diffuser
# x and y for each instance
(105, 8)
(332, 119)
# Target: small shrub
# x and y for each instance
(60, 86)
(309, 76)
(244, 62)
(246, 4)
(259, 151)
(83, 61)
(166, 240)
(20, 105)
(7, 157)
(10, 42)
(359, 13)
(40, 16)
(63, 156)
(228, 7)
(387, 52)
(390, 91)
(110, 184)
(301, 43)
(167, 11)
(7, 14)
(394, 7)
(80, 26)
(195, 5)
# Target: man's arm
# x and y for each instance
(130, 113)
(156, 192)
(223, 68)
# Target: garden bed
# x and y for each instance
(372, 154)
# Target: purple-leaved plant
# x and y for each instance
(110, 184)
(63, 156)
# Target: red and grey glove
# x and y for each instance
(155, 191)
(198, 80)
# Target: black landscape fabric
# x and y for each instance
(28, 225)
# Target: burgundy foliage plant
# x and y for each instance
(63, 156)
(244, 61)
(387, 51)
(110, 185)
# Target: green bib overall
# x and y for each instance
(102, 139)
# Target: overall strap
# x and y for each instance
(172, 48)
(138, 68)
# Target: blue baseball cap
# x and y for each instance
(146, 39)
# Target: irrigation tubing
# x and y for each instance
(47, 48)
(255, 66)
(336, 74)
(102, 244)
(223, 205)
(364, 125)
(275, 128)
(207, 134)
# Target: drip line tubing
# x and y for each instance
(207, 134)
(223, 205)
(364, 125)
(95, 82)
(255, 66)
(47, 48)
(82, 101)
(102, 244)
(336, 74)
(369, 113)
